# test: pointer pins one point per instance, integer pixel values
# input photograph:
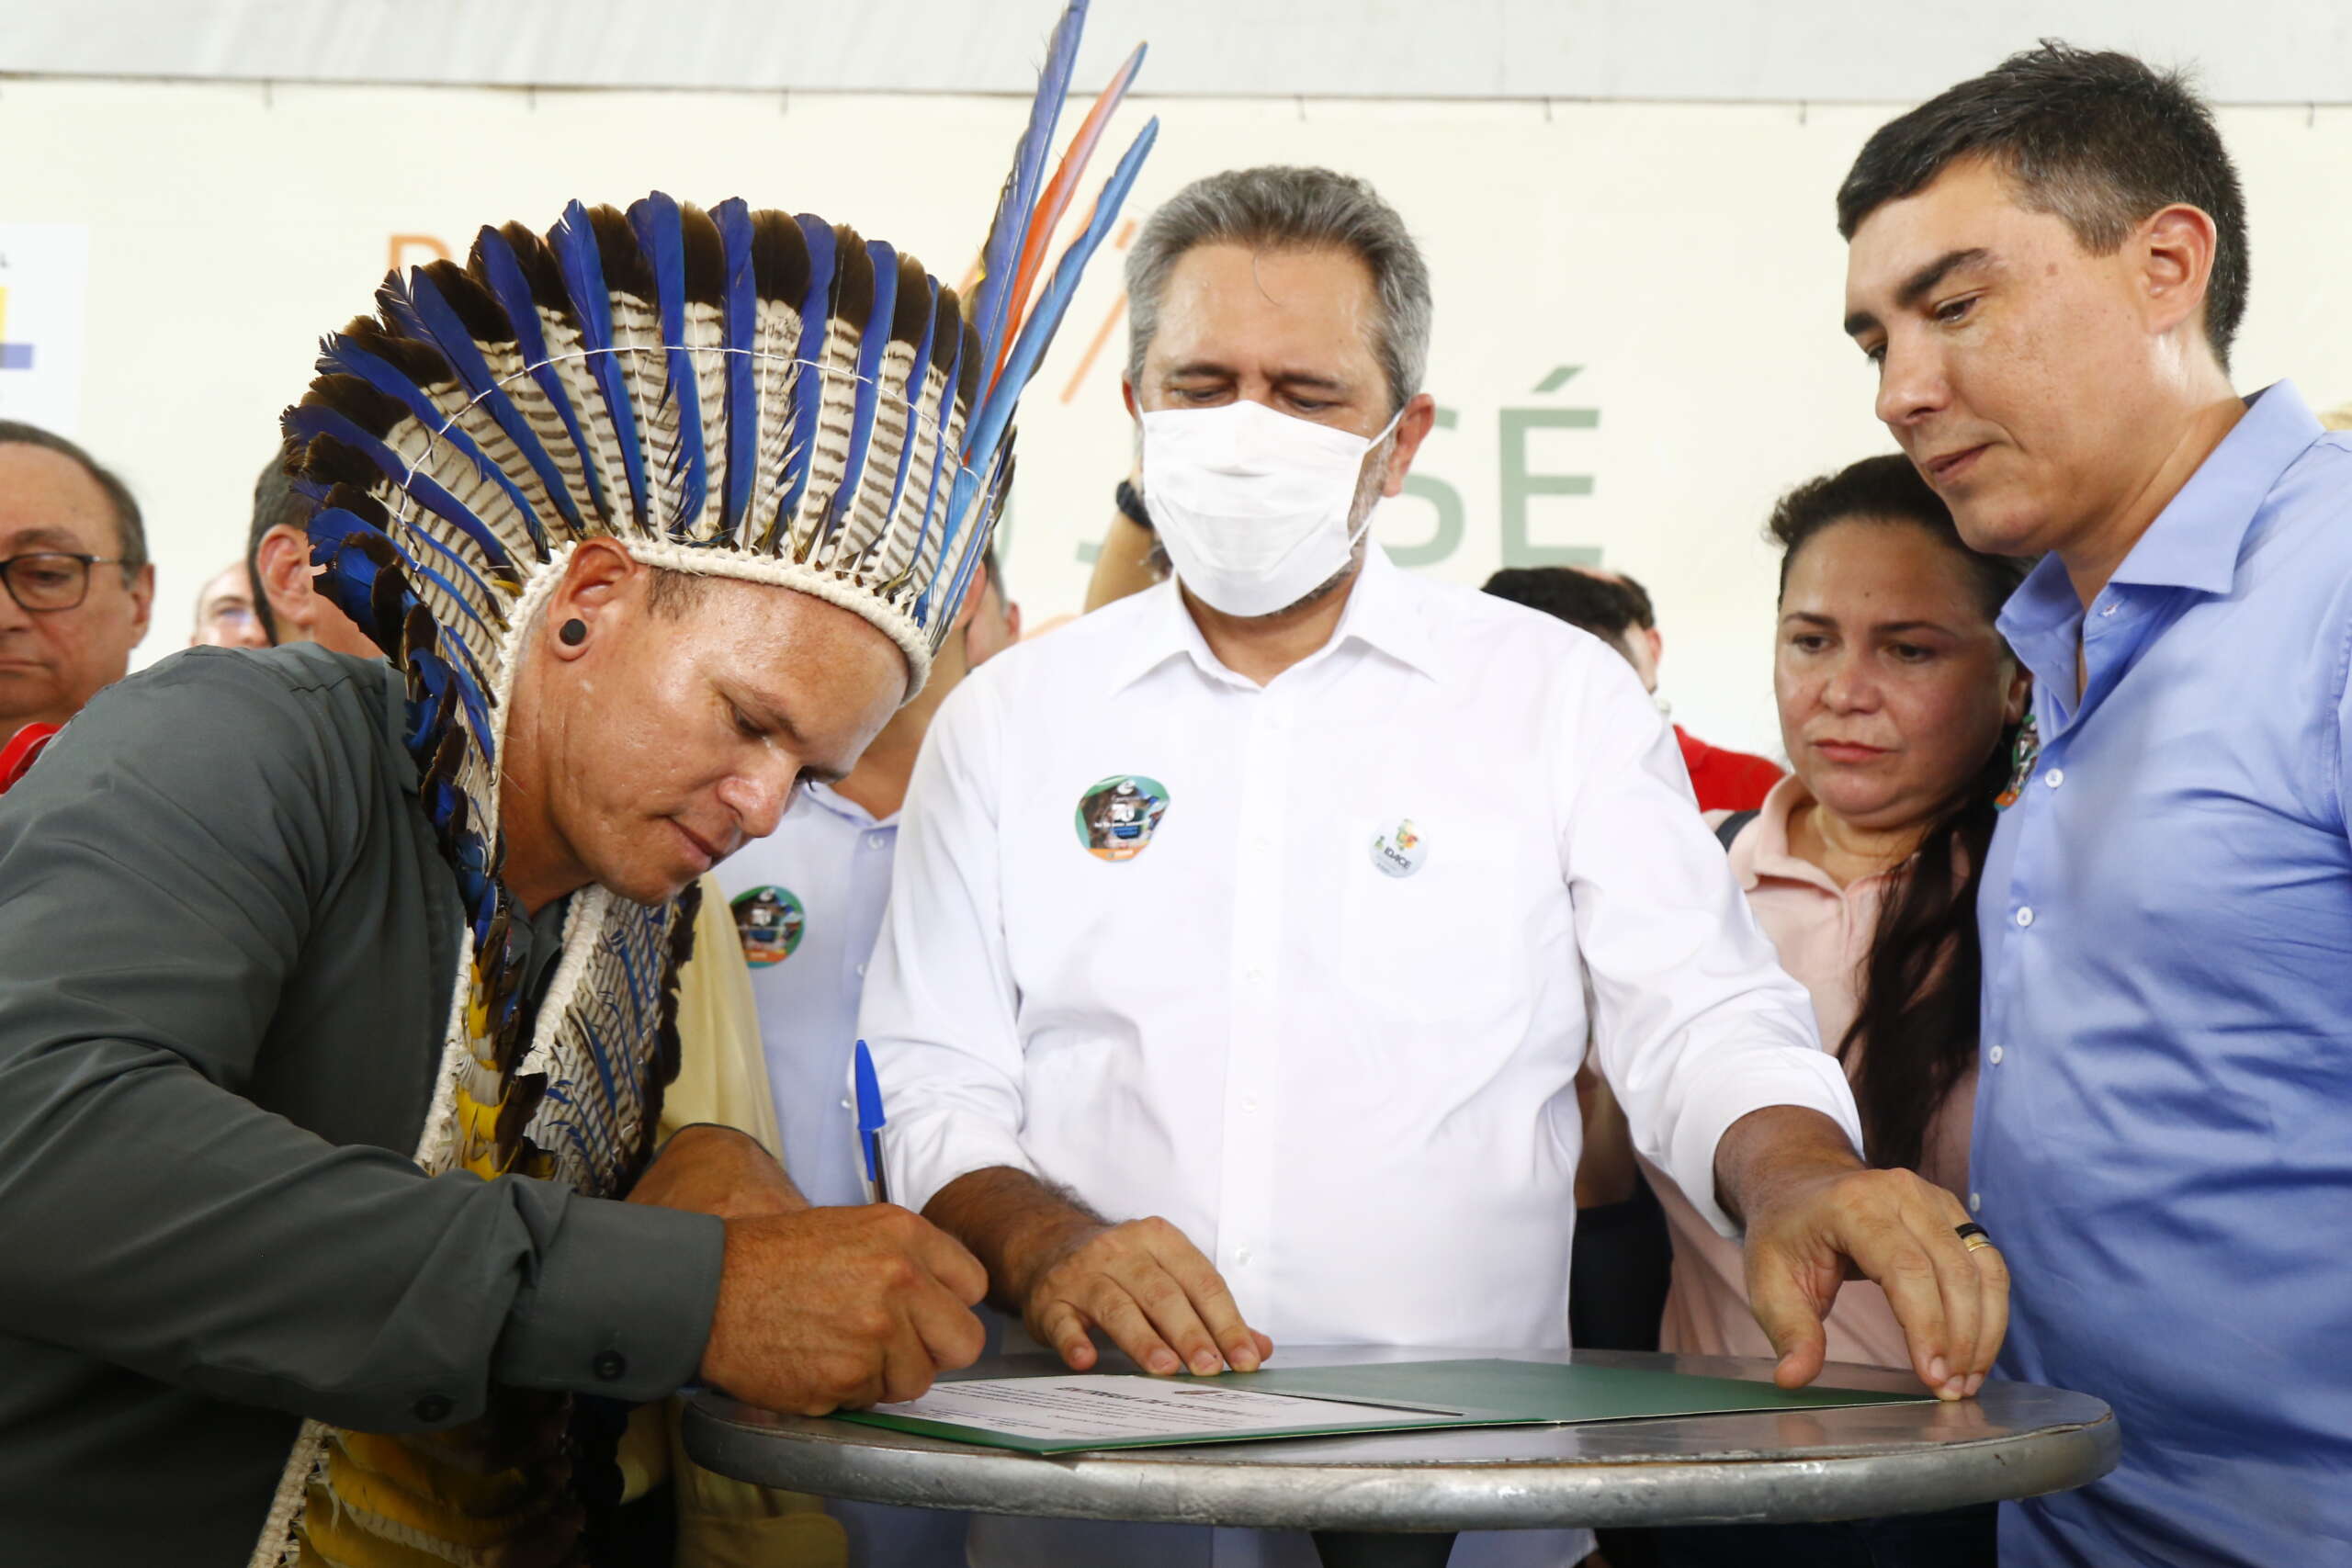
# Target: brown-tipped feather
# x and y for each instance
(947, 331)
(523, 1096)
(539, 267)
(350, 498)
(476, 309)
(374, 411)
(420, 362)
(853, 279)
(779, 259)
(706, 257)
(914, 309)
(967, 380)
(328, 462)
(625, 268)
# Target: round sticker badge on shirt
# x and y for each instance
(1117, 816)
(769, 922)
(1401, 850)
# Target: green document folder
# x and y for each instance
(1397, 1396)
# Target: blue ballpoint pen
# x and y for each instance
(869, 1124)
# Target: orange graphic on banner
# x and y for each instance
(404, 243)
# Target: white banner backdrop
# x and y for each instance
(1637, 305)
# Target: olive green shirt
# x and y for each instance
(227, 942)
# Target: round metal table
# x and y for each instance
(1398, 1499)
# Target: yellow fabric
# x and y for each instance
(723, 1078)
(386, 1503)
(722, 1074)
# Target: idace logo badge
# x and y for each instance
(1400, 850)
(1117, 816)
(769, 922)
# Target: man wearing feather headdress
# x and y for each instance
(337, 996)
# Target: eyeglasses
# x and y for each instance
(51, 580)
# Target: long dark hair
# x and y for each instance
(1919, 993)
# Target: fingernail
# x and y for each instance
(1975, 1381)
(1205, 1364)
(1937, 1371)
(1955, 1389)
(1164, 1361)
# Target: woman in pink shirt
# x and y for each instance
(1899, 709)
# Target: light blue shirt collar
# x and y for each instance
(2194, 541)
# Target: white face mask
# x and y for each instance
(1253, 505)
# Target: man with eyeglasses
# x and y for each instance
(79, 588)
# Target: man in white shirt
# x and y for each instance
(808, 901)
(1248, 934)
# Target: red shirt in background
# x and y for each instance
(24, 746)
(1725, 781)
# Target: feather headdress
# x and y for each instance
(735, 393)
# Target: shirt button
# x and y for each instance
(872, 840)
(1255, 976)
(433, 1407)
(610, 1365)
(1250, 1106)
(2054, 777)
(1995, 1055)
(1241, 1257)
(2025, 916)
(2108, 608)
(861, 969)
(1975, 1202)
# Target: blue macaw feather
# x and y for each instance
(944, 461)
(989, 427)
(959, 508)
(575, 242)
(808, 383)
(392, 299)
(313, 420)
(502, 276)
(347, 356)
(448, 334)
(1001, 255)
(459, 564)
(357, 555)
(655, 221)
(741, 317)
(348, 579)
(915, 374)
(874, 341)
(989, 498)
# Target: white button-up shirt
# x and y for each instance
(826, 874)
(1316, 988)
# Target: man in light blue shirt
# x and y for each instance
(2048, 264)
(808, 901)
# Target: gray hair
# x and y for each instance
(1280, 208)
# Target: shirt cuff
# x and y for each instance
(922, 1153)
(622, 1303)
(1797, 1076)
